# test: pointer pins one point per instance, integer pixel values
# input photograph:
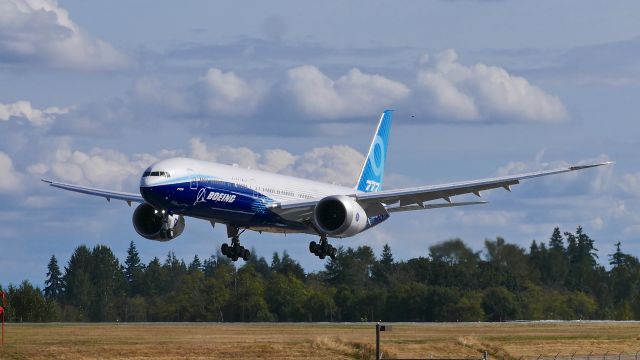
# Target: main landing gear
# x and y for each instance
(323, 249)
(234, 251)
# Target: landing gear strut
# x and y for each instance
(234, 251)
(322, 249)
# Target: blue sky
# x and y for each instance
(93, 92)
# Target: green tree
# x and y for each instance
(195, 265)
(499, 304)
(286, 297)
(249, 295)
(350, 267)
(79, 289)
(27, 304)
(286, 265)
(383, 269)
(109, 285)
(555, 272)
(134, 271)
(54, 286)
(624, 279)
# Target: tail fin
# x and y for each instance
(373, 168)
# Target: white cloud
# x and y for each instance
(10, 178)
(353, 94)
(157, 95)
(215, 93)
(41, 31)
(229, 94)
(482, 92)
(338, 164)
(23, 110)
(489, 218)
(598, 180)
(630, 184)
(99, 167)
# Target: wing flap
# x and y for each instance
(433, 206)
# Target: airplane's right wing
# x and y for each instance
(416, 198)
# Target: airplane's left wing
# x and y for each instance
(416, 198)
(108, 194)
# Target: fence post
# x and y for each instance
(485, 355)
(378, 340)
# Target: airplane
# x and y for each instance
(248, 199)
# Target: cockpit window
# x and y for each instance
(156, 173)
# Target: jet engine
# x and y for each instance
(156, 225)
(339, 216)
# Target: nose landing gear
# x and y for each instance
(323, 249)
(234, 251)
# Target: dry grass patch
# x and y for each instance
(315, 341)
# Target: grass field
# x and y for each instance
(315, 341)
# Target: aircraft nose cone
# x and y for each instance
(153, 195)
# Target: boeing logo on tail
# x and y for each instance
(244, 199)
(373, 169)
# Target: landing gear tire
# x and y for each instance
(313, 247)
(323, 249)
(235, 251)
(225, 249)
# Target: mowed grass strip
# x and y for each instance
(315, 341)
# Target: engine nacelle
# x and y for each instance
(154, 225)
(339, 216)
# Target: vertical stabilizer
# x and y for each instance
(373, 168)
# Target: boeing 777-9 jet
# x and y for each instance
(247, 199)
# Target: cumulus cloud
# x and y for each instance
(353, 94)
(157, 95)
(482, 92)
(112, 169)
(10, 178)
(630, 184)
(98, 167)
(22, 110)
(597, 181)
(229, 94)
(215, 93)
(40, 31)
(338, 164)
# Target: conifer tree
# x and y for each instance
(54, 285)
(133, 270)
(387, 257)
(195, 265)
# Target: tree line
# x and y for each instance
(557, 279)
